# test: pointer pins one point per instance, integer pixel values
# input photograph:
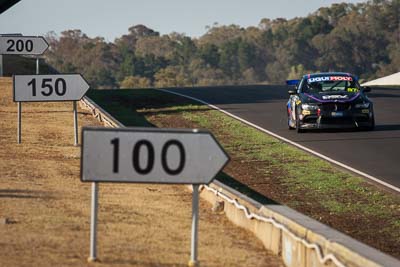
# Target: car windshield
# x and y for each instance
(330, 84)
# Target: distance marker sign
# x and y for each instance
(63, 87)
(22, 45)
(147, 155)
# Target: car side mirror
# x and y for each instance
(366, 89)
(292, 92)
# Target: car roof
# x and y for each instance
(311, 75)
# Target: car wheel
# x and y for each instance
(372, 126)
(298, 128)
(288, 122)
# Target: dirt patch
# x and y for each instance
(45, 208)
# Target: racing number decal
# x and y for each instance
(352, 90)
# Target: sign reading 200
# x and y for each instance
(48, 86)
(19, 45)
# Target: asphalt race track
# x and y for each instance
(375, 153)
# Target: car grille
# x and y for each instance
(336, 106)
(343, 121)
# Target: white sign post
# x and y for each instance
(49, 88)
(149, 155)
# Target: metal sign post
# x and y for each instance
(75, 123)
(150, 155)
(37, 65)
(195, 222)
(93, 223)
(1, 65)
(49, 88)
(19, 123)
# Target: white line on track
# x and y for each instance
(392, 187)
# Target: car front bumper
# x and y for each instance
(329, 121)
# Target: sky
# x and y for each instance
(111, 19)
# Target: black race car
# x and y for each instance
(329, 100)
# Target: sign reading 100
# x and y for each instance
(148, 167)
(150, 155)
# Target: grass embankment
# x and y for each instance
(274, 169)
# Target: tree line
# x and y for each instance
(363, 39)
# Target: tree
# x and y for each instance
(229, 62)
(209, 54)
(361, 38)
(135, 82)
(185, 50)
(74, 51)
(219, 35)
(246, 55)
(159, 46)
(170, 77)
(296, 72)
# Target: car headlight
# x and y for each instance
(362, 105)
(309, 107)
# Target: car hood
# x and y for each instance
(339, 97)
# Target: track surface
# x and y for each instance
(375, 153)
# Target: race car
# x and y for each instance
(329, 100)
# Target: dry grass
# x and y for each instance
(139, 225)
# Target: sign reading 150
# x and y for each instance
(145, 144)
(48, 86)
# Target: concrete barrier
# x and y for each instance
(298, 239)
(295, 237)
